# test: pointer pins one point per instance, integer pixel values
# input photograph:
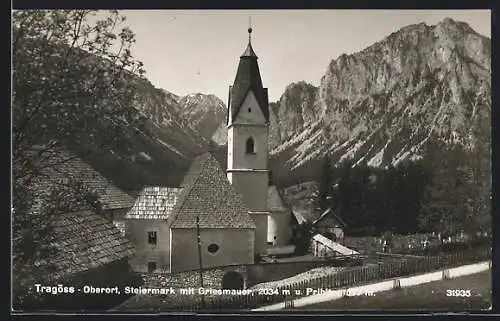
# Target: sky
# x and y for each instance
(193, 51)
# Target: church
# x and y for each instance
(224, 212)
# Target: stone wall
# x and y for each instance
(212, 278)
(252, 274)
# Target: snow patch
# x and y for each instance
(401, 158)
(376, 160)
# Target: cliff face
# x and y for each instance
(383, 104)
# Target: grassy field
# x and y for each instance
(425, 297)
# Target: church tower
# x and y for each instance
(247, 141)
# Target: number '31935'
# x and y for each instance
(459, 293)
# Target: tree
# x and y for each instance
(302, 239)
(324, 196)
(71, 80)
(33, 219)
(446, 201)
(72, 85)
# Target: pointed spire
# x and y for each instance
(249, 51)
(247, 78)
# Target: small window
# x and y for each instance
(213, 248)
(151, 267)
(250, 146)
(152, 238)
(249, 109)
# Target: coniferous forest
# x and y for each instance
(446, 191)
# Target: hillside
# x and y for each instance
(160, 149)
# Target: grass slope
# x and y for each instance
(426, 297)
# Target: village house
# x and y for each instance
(162, 223)
(329, 224)
(62, 166)
(87, 250)
(325, 247)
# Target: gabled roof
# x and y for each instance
(58, 167)
(207, 193)
(247, 78)
(328, 219)
(84, 240)
(334, 246)
(274, 201)
(154, 202)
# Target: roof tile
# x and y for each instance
(79, 247)
(60, 166)
(154, 202)
(207, 193)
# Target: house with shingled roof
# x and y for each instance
(162, 223)
(58, 167)
(88, 250)
(147, 227)
(331, 225)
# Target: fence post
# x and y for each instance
(396, 284)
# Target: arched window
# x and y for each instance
(250, 146)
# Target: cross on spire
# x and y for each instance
(249, 29)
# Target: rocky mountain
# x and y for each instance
(172, 130)
(203, 112)
(157, 151)
(380, 105)
(385, 103)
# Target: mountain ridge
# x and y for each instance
(421, 82)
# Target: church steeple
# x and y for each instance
(247, 78)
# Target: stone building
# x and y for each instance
(162, 223)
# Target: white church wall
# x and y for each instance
(237, 156)
(260, 220)
(279, 226)
(235, 246)
(137, 233)
(250, 122)
(252, 186)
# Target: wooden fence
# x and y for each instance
(343, 279)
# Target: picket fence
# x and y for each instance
(338, 280)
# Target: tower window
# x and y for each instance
(249, 109)
(250, 146)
